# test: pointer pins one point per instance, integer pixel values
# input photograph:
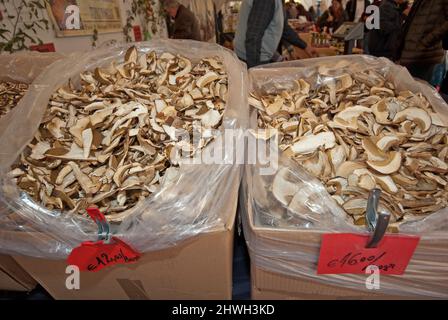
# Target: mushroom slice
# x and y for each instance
(312, 142)
(275, 106)
(372, 151)
(63, 173)
(348, 167)
(38, 151)
(355, 206)
(54, 127)
(211, 118)
(84, 181)
(186, 68)
(416, 115)
(381, 91)
(282, 187)
(387, 142)
(388, 166)
(100, 115)
(206, 79)
(77, 130)
(337, 156)
(120, 173)
(350, 113)
(131, 55)
(87, 138)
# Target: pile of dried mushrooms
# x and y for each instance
(10, 94)
(110, 141)
(356, 132)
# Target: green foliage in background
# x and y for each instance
(21, 20)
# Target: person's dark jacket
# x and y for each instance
(323, 20)
(385, 41)
(424, 29)
(350, 9)
(185, 25)
(260, 17)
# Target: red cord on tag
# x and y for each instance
(95, 256)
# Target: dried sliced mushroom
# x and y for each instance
(110, 140)
(10, 95)
(356, 132)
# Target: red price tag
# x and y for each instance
(137, 33)
(94, 256)
(347, 253)
(46, 47)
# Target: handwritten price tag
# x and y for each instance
(347, 253)
(94, 256)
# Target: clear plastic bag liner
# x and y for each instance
(198, 200)
(288, 242)
(23, 67)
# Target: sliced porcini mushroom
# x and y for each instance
(282, 188)
(63, 173)
(274, 107)
(389, 165)
(263, 134)
(312, 142)
(344, 82)
(304, 87)
(337, 156)
(17, 172)
(373, 152)
(211, 118)
(256, 103)
(381, 91)
(378, 144)
(206, 79)
(437, 120)
(419, 116)
(54, 127)
(338, 183)
(355, 206)
(186, 68)
(387, 142)
(100, 115)
(38, 151)
(77, 130)
(109, 139)
(84, 181)
(131, 55)
(381, 112)
(350, 113)
(346, 168)
(366, 182)
(120, 173)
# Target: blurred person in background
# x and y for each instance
(334, 17)
(185, 25)
(424, 29)
(355, 10)
(301, 12)
(291, 10)
(312, 13)
(261, 26)
(385, 41)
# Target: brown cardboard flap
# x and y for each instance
(425, 276)
(13, 277)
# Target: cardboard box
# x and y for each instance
(13, 277)
(198, 268)
(294, 278)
